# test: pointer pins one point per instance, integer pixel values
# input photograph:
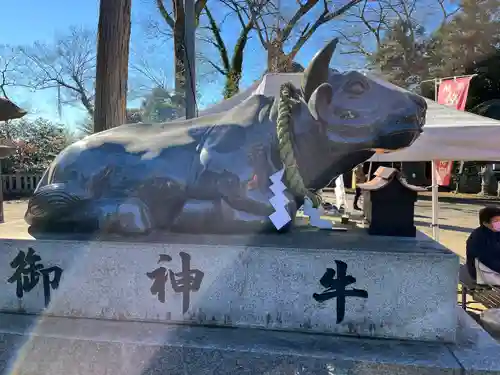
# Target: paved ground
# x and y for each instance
(456, 221)
(13, 212)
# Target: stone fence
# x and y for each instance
(19, 184)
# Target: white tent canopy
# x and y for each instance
(448, 134)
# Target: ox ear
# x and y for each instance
(320, 101)
(317, 71)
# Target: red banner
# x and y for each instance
(453, 93)
(443, 172)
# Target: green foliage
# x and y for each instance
(159, 106)
(469, 37)
(232, 84)
(467, 43)
(37, 143)
(470, 44)
(402, 55)
(490, 108)
(134, 115)
(86, 127)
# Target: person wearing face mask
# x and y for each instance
(483, 248)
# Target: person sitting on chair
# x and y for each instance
(360, 178)
(483, 247)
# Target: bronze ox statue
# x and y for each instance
(211, 173)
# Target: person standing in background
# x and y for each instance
(360, 178)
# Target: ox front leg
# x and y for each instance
(218, 216)
(239, 221)
(129, 216)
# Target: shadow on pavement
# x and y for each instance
(454, 228)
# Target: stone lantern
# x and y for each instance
(8, 111)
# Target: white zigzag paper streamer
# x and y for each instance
(280, 217)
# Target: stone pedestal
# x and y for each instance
(314, 282)
(323, 303)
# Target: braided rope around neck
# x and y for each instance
(293, 179)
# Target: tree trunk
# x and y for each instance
(112, 64)
(179, 55)
(277, 60)
(232, 84)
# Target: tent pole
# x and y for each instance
(435, 203)
(435, 186)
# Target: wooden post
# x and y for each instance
(112, 64)
(190, 58)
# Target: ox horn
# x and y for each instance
(317, 71)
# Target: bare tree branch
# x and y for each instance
(217, 67)
(146, 75)
(176, 22)
(372, 20)
(8, 72)
(256, 14)
(446, 14)
(230, 68)
(275, 37)
(301, 12)
(325, 17)
(69, 63)
(165, 14)
(218, 42)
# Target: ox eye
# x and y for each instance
(355, 88)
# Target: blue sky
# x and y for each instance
(27, 21)
(24, 21)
